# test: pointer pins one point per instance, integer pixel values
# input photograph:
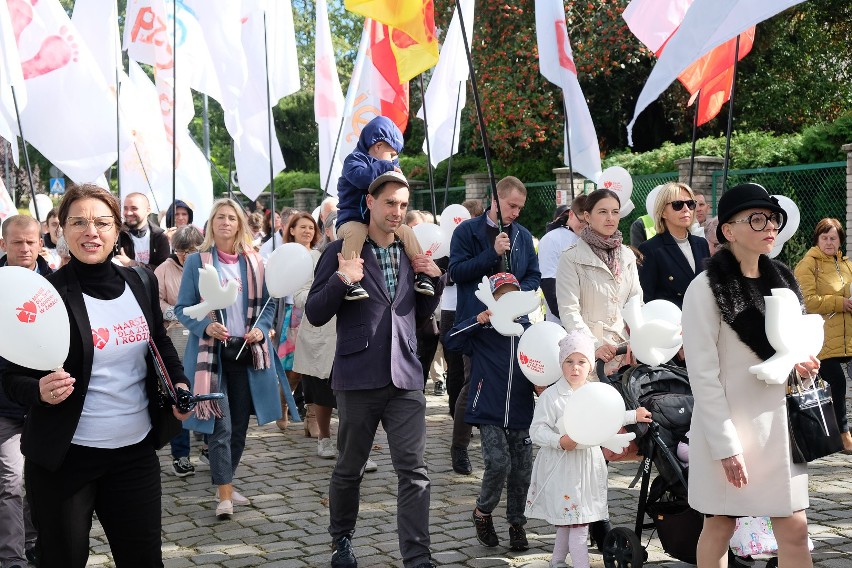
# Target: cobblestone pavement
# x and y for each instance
(286, 523)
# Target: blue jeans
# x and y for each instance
(180, 445)
(228, 440)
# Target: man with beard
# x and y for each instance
(140, 243)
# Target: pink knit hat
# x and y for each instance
(577, 341)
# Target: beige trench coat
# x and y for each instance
(590, 297)
(735, 413)
(315, 346)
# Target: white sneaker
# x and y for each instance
(371, 465)
(326, 449)
(236, 498)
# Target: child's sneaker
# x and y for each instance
(485, 532)
(423, 284)
(356, 292)
(204, 457)
(183, 467)
(518, 538)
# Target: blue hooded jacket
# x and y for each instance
(360, 169)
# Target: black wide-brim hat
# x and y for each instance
(742, 197)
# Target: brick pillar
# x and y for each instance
(305, 199)
(848, 149)
(702, 176)
(476, 186)
(563, 184)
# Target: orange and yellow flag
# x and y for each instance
(412, 31)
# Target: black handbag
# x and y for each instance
(231, 348)
(813, 426)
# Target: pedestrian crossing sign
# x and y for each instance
(57, 186)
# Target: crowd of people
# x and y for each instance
(376, 321)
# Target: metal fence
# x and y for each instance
(422, 198)
(818, 189)
(642, 186)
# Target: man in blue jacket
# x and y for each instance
(376, 376)
(478, 248)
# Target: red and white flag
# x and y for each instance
(654, 21)
(328, 100)
(556, 62)
(447, 90)
(11, 75)
(70, 110)
(375, 88)
(707, 24)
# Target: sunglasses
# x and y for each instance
(678, 204)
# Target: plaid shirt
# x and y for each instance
(389, 262)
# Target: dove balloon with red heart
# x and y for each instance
(452, 217)
(617, 179)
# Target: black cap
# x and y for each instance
(742, 197)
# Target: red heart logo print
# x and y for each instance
(100, 337)
(523, 358)
(27, 312)
(607, 184)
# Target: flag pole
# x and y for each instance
(269, 135)
(568, 144)
(486, 149)
(428, 151)
(26, 153)
(450, 160)
(230, 170)
(333, 156)
(118, 133)
(730, 117)
(174, 107)
(694, 138)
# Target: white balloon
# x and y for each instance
(662, 310)
(626, 209)
(289, 268)
(593, 414)
(316, 212)
(651, 200)
(538, 353)
(618, 180)
(44, 206)
(655, 330)
(34, 328)
(432, 240)
(451, 217)
(793, 219)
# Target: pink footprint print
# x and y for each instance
(56, 51)
(21, 13)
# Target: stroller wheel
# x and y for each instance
(735, 561)
(622, 549)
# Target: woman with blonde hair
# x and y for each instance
(672, 258)
(212, 363)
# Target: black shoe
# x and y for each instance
(485, 532)
(598, 531)
(425, 565)
(423, 284)
(461, 462)
(518, 538)
(32, 556)
(183, 467)
(343, 556)
(356, 292)
(439, 388)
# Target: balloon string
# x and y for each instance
(245, 342)
(543, 485)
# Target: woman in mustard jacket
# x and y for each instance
(824, 275)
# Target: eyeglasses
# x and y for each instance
(758, 221)
(186, 251)
(80, 224)
(678, 204)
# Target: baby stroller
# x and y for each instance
(665, 391)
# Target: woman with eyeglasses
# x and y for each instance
(740, 463)
(229, 350)
(93, 428)
(825, 276)
(185, 240)
(673, 257)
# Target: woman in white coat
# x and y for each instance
(596, 277)
(740, 459)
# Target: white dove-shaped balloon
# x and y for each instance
(213, 295)
(794, 336)
(509, 307)
(655, 331)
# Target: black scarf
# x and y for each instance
(138, 232)
(741, 304)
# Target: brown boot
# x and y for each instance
(285, 415)
(846, 438)
(311, 426)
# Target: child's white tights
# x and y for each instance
(573, 540)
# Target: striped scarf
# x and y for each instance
(207, 365)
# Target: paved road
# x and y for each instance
(286, 523)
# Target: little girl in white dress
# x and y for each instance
(569, 486)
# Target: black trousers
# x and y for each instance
(832, 371)
(122, 486)
(455, 365)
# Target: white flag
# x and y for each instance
(11, 75)
(328, 101)
(70, 113)
(654, 21)
(7, 208)
(556, 62)
(447, 90)
(707, 23)
(269, 44)
(97, 22)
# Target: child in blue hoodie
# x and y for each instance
(501, 402)
(376, 153)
